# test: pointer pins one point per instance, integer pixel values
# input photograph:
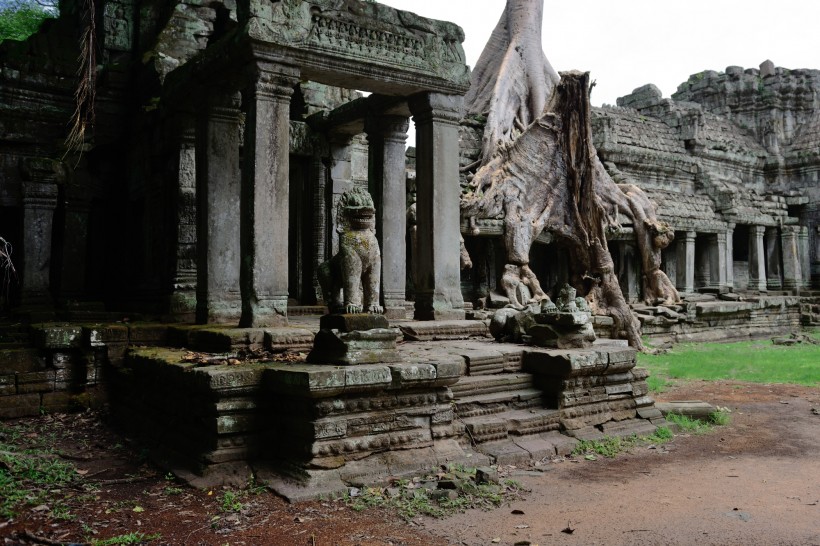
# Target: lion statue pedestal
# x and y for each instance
(355, 331)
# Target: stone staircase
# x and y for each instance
(500, 408)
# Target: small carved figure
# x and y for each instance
(351, 279)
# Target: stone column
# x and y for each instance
(805, 256)
(717, 260)
(773, 278)
(341, 178)
(182, 301)
(319, 173)
(686, 262)
(265, 195)
(218, 196)
(790, 247)
(386, 136)
(757, 259)
(73, 264)
(669, 261)
(438, 270)
(730, 256)
(39, 195)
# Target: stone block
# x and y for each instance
(57, 337)
(224, 340)
(147, 334)
(8, 385)
(33, 382)
(227, 379)
(21, 360)
(357, 347)
(235, 423)
(367, 377)
(563, 363)
(409, 374)
(450, 369)
(21, 405)
(59, 401)
(102, 334)
(308, 380)
(352, 321)
(290, 338)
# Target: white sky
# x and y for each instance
(626, 44)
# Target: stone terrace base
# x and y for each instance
(309, 429)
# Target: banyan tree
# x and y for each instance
(539, 171)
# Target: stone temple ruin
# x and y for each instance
(170, 261)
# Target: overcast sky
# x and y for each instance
(626, 44)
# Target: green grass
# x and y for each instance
(697, 426)
(28, 476)
(755, 361)
(610, 446)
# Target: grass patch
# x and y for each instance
(698, 426)
(754, 361)
(610, 446)
(28, 476)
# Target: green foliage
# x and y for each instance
(720, 418)
(230, 501)
(755, 361)
(687, 424)
(27, 476)
(128, 538)
(610, 446)
(21, 19)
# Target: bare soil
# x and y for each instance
(754, 481)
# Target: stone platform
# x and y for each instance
(308, 429)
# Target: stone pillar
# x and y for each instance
(773, 277)
(629, 271)
(703, 272)
(218, 196)
(438, 271)
(318, 171)
(717, 260)
(757, 259)
(730, 256)
(265, 196)
(74, 260)
(686, 262)
(39, 195)
(669, 261)
(805, 256)
(341, 177)
(790, 247)
(386, 136)
(182, 300)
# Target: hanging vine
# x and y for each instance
(84, 96)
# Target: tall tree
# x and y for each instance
(540, 171)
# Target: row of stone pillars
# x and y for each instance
(242, 227)
(774, 259)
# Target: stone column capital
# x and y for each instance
(222, 104)
(721, 237)
(436, 107)
(789, 230)
(39, 195)
(690, 236)
(391, 128)
(758, 231)
(271, 81)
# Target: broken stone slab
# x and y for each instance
(695, 409)
(434, 330)
(219, 339)
(564, 363)
(357, 347)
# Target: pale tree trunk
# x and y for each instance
(513, 79)
(539, 171)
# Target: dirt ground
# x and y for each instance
(754, 481)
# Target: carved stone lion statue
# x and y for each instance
(351, 279)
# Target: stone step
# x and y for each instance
(486, 428)
(532, 421)
(485, 384)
